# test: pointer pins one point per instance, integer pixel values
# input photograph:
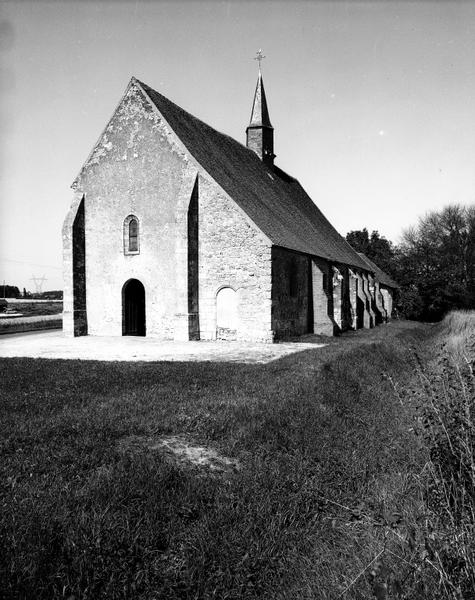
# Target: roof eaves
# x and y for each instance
(381, 275)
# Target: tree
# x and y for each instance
(375, 246)
(435, 263)
(9, 291)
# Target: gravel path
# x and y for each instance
(54, 344)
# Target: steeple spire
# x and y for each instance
(260, 133)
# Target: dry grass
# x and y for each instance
(458, 332)
(447, 425)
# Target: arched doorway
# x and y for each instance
(133, 308)
(226, 314)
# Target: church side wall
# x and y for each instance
(379, 300)
(362, 312)
(387, 294)
(373, 292)
(353, 298)
(232, 253)
(291, 293)
(323, 323)
(136, 170)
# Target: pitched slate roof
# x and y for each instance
(381, 276)
(276, 202)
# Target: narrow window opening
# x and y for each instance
(131, 235)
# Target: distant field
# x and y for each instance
(36, 308)
(35, 315)
(329, 492)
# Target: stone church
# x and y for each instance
(177, 231)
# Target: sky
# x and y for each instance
(372, 103)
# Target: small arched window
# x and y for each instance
(131, 235)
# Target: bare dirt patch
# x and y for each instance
(183, 451)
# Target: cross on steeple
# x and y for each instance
(259, 57)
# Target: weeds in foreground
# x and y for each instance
(436, 553)
(448, 429)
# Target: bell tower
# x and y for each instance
(260, 133)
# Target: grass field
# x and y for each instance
(336, 494)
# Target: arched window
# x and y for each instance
(131, 235)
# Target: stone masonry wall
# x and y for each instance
(369, 299)
(323, 323)
(338, 299)
(346, 308)
(387, 295)
(362, 312)
(136, 169)
(353, 298)
(232, 253)
(292, 312)
(379, 301)
(375, 305)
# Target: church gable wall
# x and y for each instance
(135, 169)
(232, 253)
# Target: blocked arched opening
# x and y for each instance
(226, 313)
(133, 308)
